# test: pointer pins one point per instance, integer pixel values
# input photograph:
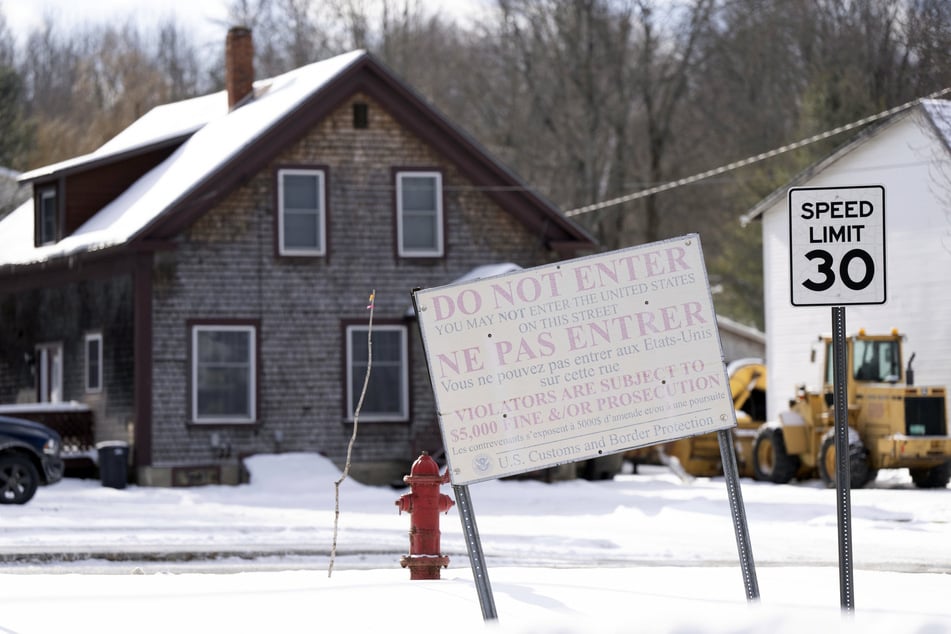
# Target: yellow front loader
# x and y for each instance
(892, 422)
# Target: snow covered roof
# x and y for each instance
(220, 136)
(937, 112)
(218, 147)
(487, 270)
(160, 124)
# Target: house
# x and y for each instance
(740, 341)
(910, 155)
(201, 281)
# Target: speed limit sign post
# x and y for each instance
(837, 245)
(837, 258)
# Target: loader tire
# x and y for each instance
(933, 478)
(770, 460)
(860, 473)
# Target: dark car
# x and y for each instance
(29, 457)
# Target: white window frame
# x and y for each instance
(439, 248)
(321, 247)
(49, 372)
(89, 338)
(251, 417)
(353, 389)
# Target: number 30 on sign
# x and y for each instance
(837, 245)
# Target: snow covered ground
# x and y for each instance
(645, 552)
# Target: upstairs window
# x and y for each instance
(301, 212)
(47, 216)
(223, 373)
(387, 396)
(419, 218)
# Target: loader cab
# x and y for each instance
(870, 359)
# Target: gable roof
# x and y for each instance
(937, 112)
(221, 148)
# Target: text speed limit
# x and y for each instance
(837, 245)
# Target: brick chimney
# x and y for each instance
(239, 64)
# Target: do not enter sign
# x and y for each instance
(837, 245)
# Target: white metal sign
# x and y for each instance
(575, 360)
(837, 245)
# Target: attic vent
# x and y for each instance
(360, 116)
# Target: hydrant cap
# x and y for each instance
(424, 466)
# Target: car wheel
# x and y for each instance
(18, 479)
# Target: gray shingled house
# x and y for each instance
(200, 282)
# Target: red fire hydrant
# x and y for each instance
(424, 503)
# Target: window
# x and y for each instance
(875, 360)
(49, 373)
(223, 374)
(419, 214)
(387, 393)
(94, 362)
(47, 216)
(301, 215)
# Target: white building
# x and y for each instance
(910, 155)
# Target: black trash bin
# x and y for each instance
(113, 463)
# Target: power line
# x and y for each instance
(752, 159)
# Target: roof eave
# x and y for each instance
(78, 265)
(75, 166)
(806, 174)
(371, 77)
(475, 162)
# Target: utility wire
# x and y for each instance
(752, 159)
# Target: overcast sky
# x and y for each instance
(205, 17)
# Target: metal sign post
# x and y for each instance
(737, 510)
(843, 477)
(837, 257)
(480, 573)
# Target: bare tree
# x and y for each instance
(585, 99)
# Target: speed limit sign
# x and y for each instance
(837, 245)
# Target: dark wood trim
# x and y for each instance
(142, 337)
(74, 268)
(76, 166)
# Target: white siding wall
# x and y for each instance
(916, 171)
